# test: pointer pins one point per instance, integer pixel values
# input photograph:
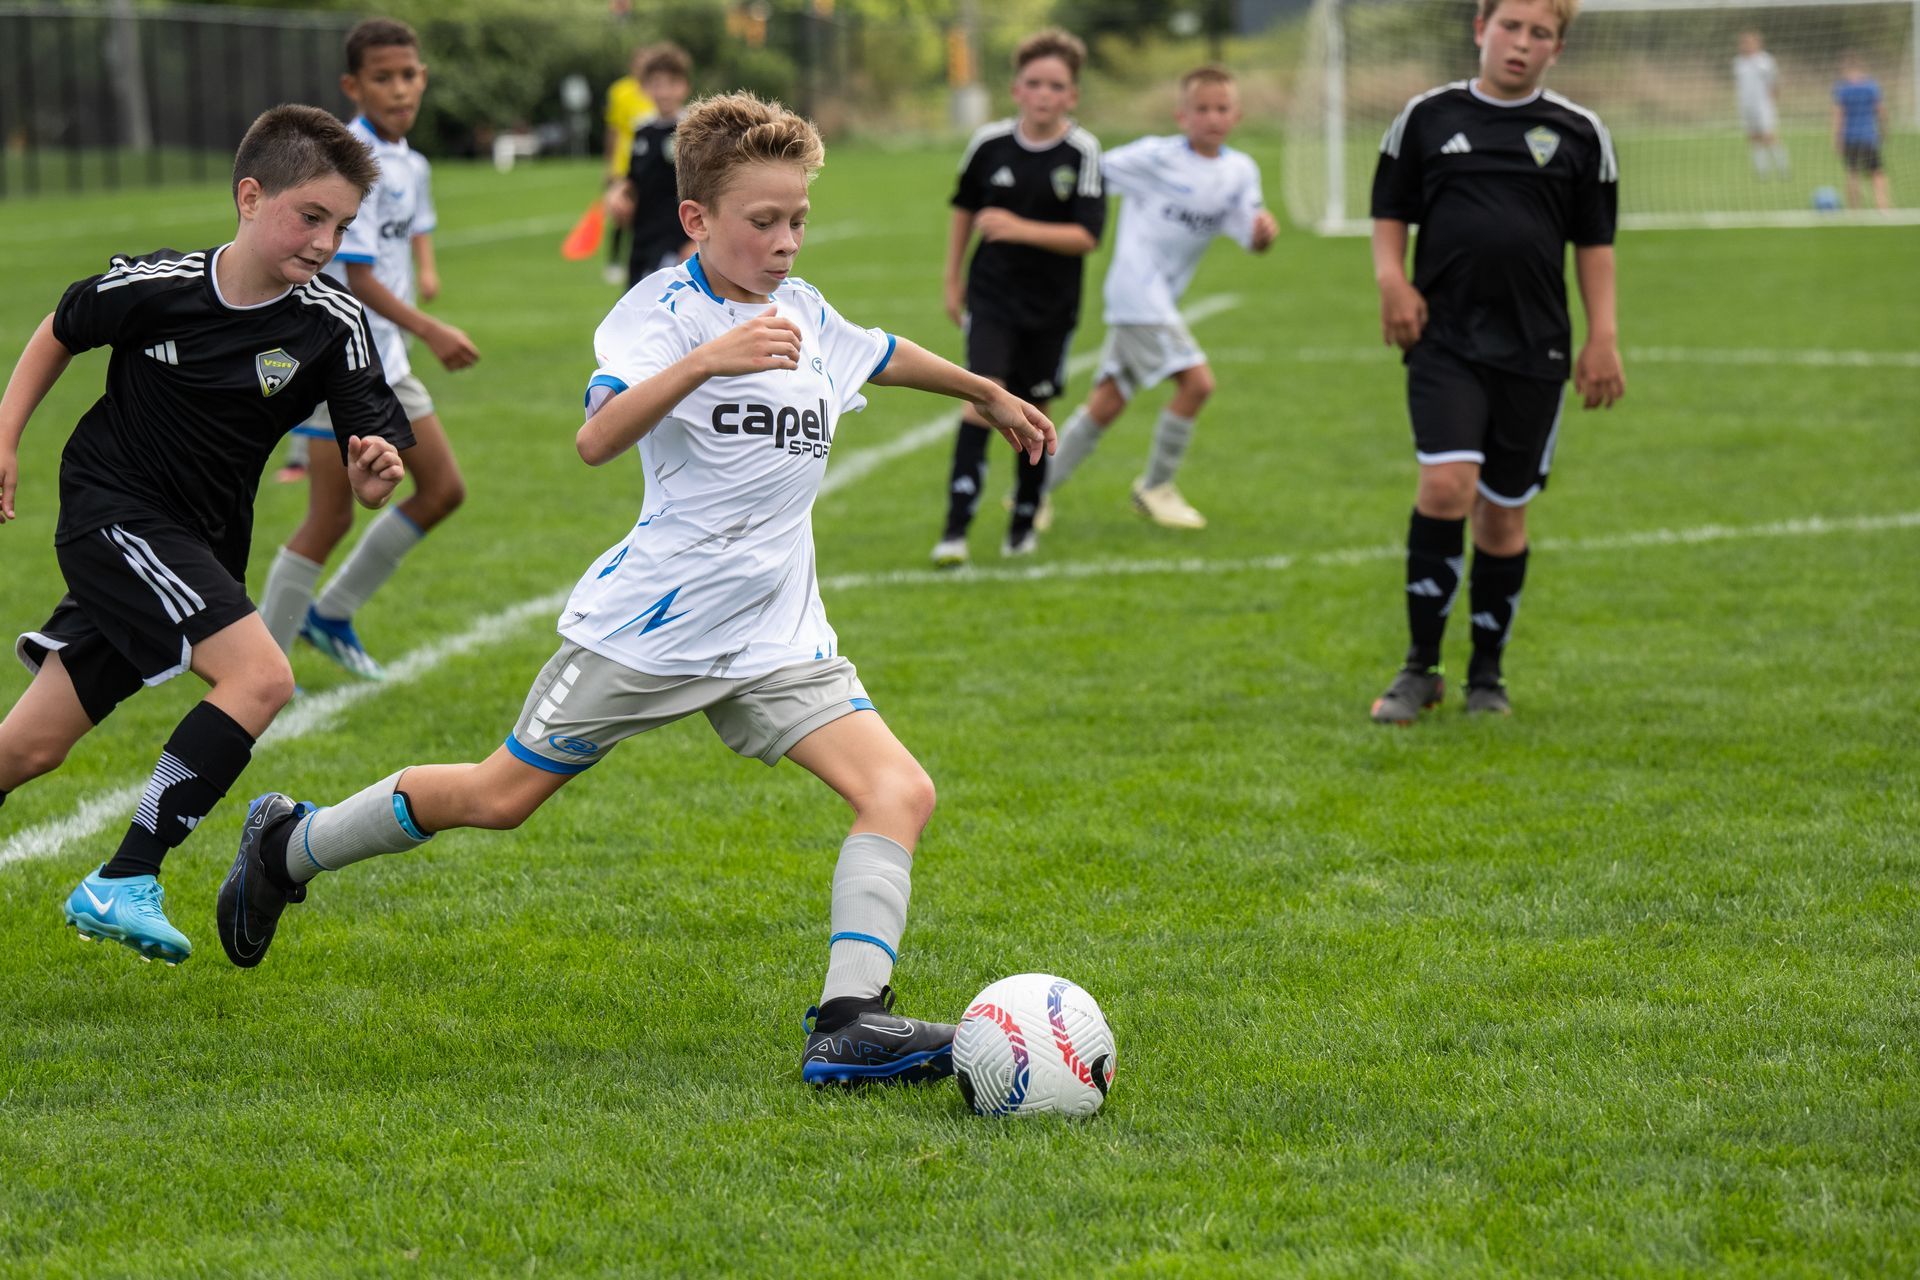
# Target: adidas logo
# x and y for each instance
(1425, 587)
(165, 353)
(1002, 177)
(1486, 621)
(1457, 145)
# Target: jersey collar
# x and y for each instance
(699, 274)
(1473, 87)
(378, 141)
(213, 280)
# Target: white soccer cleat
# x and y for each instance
(1163, 505)
(949, 553)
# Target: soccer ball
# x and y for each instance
(1826, 199)
(1033, 1043)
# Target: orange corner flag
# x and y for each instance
(584, 240)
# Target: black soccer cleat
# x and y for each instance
(852, 1041)
(1414, 689)
(251, 900)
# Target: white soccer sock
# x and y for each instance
(1078, 439)
(1171, 436)
(1780, 160)
(365, 825)
(870, 888)
(381, 549)
(283, 605)
(298, 451)
(1762, 159)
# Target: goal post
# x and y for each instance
(1660, 73)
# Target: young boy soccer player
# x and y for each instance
(1500, 174)
(649, 199)
(385, 79)
(215, 355)
(1176, 195)
(1031, 187)
(732, 378)
(1859, 115)
(1756, 82)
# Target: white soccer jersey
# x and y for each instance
(717, 576)
(1173, 201)
(399, 207)
(1753, 79)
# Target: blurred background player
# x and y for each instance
(1176, 194)
(1500, 174)
(216, 353)
(1031, 187)
(385, 78)
(627, 105)
(648, 201)
(732, 378)
(1859, 118)
(1757, 88)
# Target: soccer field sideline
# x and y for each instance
(319, 713)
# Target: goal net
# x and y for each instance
(1660, 73)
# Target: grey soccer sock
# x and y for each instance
(1078, 439)
(870, 888)
(1762, 158)
(1780, 160)
(297, 451)
(290, 586)
(364, 825)
(380, 551)
(1171, 436)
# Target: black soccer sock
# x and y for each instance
(1028, 487)
(202, 759)
(1493, 589)
(968, 477)
(1435, 558)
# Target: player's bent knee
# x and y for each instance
(911, 794)
(498, 810)
(32, 759)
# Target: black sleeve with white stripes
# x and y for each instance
(360, 401)
(90, 315)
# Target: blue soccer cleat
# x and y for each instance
(251, 899)
(335, 638)
(131, 912)
(873, 1044)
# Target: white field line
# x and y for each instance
(1811, 526)
(314, 715)
(1764, 357)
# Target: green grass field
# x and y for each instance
(1622, 985)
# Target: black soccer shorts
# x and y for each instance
(1861, 157)
(1503, 422)
(1031, 363)
(140, 595)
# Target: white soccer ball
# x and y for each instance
(1034, 1043)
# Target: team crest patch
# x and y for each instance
(1065, 178)
(276, 368)
(1543, 142)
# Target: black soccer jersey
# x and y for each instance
(1498, 189)
(1056, 182)
(656, 189)
(199, 392)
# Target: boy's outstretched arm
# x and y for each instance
(1597, 376)
(449, 345)
(1025, 427)
(959, 235)
(40, 366)
(1403, 312)
(1067, 238)
(615, 425)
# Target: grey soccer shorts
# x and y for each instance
(1138, 356)
(582, 704)
(412, 393)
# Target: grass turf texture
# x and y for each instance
(1623, 984)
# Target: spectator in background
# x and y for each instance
(627, 105)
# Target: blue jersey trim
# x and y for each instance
(353, 257)
(538, 761)
(865, 937)
(602, 380)
(699, 274)
(861, 704)
(886, 359)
